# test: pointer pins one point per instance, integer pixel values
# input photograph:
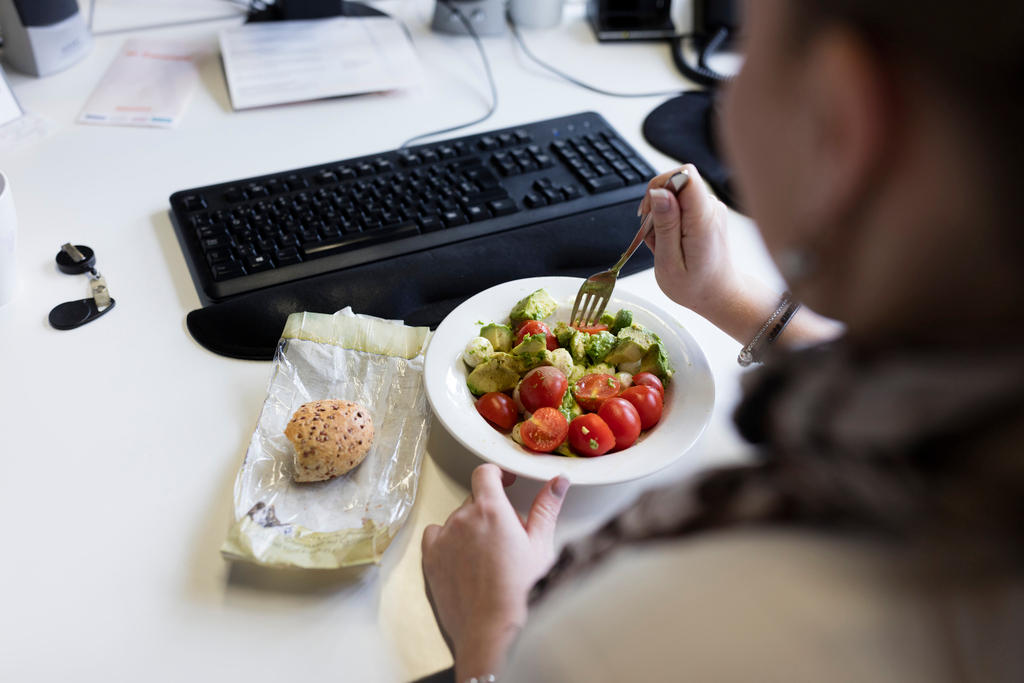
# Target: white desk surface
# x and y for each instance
(124, 436)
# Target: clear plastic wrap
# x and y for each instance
(351, 519)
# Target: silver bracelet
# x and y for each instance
(770, 331)
(487, 678)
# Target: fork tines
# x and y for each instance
(591, 310)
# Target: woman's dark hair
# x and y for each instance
(973, 50)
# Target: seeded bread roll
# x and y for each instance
(331, 438)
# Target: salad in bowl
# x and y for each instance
(484, 395)
(575, 391)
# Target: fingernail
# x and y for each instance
(660, 200)
(640, 209)
(560, 486)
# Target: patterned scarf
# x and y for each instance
(924, 449)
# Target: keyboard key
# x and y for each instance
(287, 257)
(553, 196)
(406, 159)
(477, 212)
(296, 182)
(235, 195)
(503, 207)
(604, 183)
(255, 264)
(220, 255)
(572, 192)
(487, 143)
(430, 223)
(533, 200)
(226, 271)
(453, 217)
(219, 242)
(194, 202)
(640, 167)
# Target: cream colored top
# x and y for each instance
(740, 606)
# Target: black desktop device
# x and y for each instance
(631, 19)
(409, 232)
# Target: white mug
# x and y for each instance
(8, 242)
(536, 13)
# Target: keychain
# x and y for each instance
(75, 260)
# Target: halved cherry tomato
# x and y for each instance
(592, 329)
(651, 380)
(647, 402)
(592, 390)
(536, 327)
(590, 436)
(498, 409)
(623, 419)
(544, 431)
(543, 386)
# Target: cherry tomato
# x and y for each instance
(651, 380)
(623, 419)
(592, 329)
(536, 327)
(544, 431)
(590, 436)
(647, 402)
(498, 409)
(592, 390)
(543, 386)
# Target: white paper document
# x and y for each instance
(149, 84)
(292, 61)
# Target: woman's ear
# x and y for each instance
(850, 120)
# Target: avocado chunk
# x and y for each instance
(623, 319)
(563, 333)
(656, 361)
(600, 369)
(631, 345)
(578, 346)
(536, 306)
(500, 336)
(607, 319)
(578, 372)
(531, 359)
(500, 373)
(532, 343)
(570, 408)
(599, 345)
(564, 449)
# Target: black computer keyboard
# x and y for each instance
(260, 232)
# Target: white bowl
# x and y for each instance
(689, 398)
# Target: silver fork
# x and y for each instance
(597, 289)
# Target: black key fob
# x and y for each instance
(72, 314)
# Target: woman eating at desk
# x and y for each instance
(879, 533)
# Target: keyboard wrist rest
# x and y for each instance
(423, 287)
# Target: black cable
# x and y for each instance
(700, 72)
(487, 67)
(575, 81)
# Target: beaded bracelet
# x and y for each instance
(774, 325)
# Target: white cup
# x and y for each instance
(536, 13)
(8, 242)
